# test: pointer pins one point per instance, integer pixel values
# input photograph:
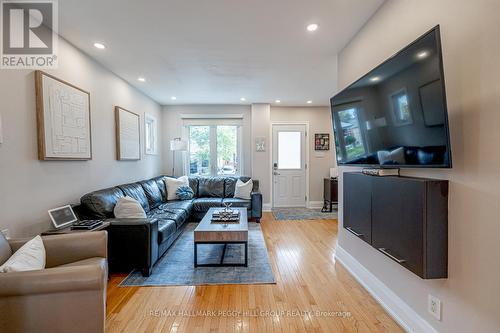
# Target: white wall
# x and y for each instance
(29, 187)
(320, 162)
(172, 128)
(471, 52)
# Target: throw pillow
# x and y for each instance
(29, 257)
(173, 184)
(396, 156)
(129, 208)
(184, 192)
(243, 190)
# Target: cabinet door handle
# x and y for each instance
(354, 232)
(384, 251)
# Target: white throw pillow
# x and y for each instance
(173, 184)
(129, 208)
(243, 190)
(397, 155)
(29, 257)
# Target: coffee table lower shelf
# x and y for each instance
(221, 263)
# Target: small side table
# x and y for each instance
(330, 194)
(68, 230)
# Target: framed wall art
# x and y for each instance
(128, 135)
(322, 141)
(63, 119)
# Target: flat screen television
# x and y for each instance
(396, 115)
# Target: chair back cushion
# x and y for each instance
(100, 204)
(134, 190)
(30, 257)
(5, 250)
(211, 187)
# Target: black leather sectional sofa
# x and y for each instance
(139, 243)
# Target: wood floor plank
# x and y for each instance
(313, 293)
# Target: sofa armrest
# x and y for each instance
(256, 198)
(133, 243)
(53, 280)
(67, 248)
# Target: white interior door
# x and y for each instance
(289, 165)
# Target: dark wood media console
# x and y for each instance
(404, 218)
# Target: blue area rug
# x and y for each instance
(176, 267)
(303, 214)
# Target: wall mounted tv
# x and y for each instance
(396, 115)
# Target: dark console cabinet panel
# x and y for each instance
(358, 205)
(409, 220)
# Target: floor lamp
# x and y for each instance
(177, 144)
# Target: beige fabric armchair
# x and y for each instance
(69, 295)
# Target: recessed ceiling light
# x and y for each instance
(99, 46)
(375, 79)
(278, 101)
(422, 54)
(312, 27)
(173, 98)
(243, 99)
(309, 102)
(141, 79)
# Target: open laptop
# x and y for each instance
(64, 216)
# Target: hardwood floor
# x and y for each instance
(308, 280)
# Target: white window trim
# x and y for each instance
(151, 119)
(213, 123)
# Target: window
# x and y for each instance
(214, 150)
(289, 154)
(151, 135)
(353, 141)
(401, 108)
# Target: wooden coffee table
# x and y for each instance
(219, 233)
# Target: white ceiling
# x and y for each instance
(217, 51)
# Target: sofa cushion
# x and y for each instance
(193, 183)
(166, 228)
(152, 191)
(237, 202)
(211, 187)
(134, 190)
(229, 186)
(179, 216)
(186, 205)
(160, 182)
(101, 203)
(203, 204)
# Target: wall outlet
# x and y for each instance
(6, 233)
(434, 306)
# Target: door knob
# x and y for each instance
(276, 173)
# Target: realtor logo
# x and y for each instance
(29, 34)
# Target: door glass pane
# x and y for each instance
(352, 135)
(289, 150)
(199, 150)
(227, 150)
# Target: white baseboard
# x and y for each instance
(267, 207)
(315, 204)
(409, 320)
